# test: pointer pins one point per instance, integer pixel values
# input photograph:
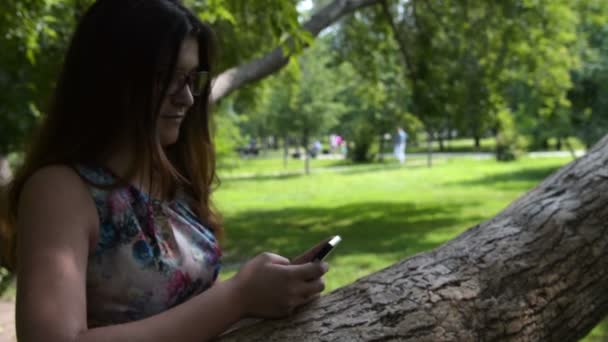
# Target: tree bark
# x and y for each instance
(236, 77)
(538, 271)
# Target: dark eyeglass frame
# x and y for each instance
(196, 81)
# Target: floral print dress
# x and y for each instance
(150, 255)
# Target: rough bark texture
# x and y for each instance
(538, 271)
(237, 77)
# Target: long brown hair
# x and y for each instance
(111, 71)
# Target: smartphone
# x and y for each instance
(327, 248)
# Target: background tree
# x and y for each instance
(302, 100)
(29, 29)
(316, 106)
(377, 95)
(282, 89)
(461, 56)
(589, 94)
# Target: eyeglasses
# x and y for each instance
(195, 80)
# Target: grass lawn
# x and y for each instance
(383, 212)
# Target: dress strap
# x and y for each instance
(95, 175)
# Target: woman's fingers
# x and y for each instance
(305, 281)
(276, 259)
(275, 287)
(303, 300)
(306, 300)
(311, 288)
(308, 271)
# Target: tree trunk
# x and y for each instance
(234, 78)
(569, 147)
(477, 142)
(448, 140)
(306, 153)
(429, 145)
(285, 150)
(538, 271)
(381, 148)
(544, 144)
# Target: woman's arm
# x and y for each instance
(58, 223)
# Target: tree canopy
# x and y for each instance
(471, 67)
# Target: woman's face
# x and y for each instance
(179, 97)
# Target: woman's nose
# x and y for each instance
(184, 97)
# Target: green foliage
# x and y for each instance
(227, 134)
(465, 60)
(30, 29)
(245, 29)
(375, 90)
(302, 100)
(35, 35)
(316, 105)
(508, 143)
(589, 96)
(7, 280)
(461, 62)
(363, 138)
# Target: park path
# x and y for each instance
(7, 322)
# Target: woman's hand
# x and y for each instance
(269, 286)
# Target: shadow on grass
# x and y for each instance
(376, 228)
(385, 167)
(532, 175)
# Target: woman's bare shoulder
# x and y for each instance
(55, 178)
(57, 188)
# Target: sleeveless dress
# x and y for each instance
(151, 255)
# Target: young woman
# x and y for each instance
(116, 239)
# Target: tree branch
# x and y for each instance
(236, 77)
(399, 39)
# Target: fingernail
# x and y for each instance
(325, 267)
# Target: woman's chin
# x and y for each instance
(169, 129)
(169, 139)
